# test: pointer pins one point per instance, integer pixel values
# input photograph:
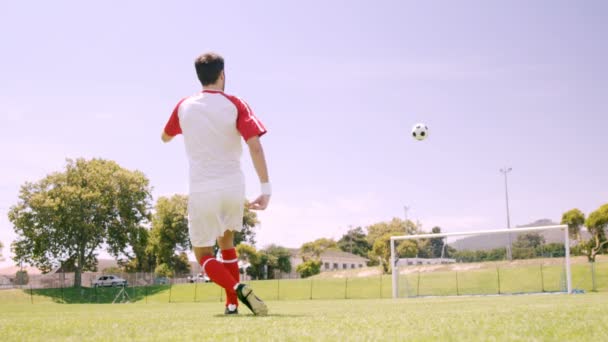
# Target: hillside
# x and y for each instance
(487, 242)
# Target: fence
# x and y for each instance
(147, 288)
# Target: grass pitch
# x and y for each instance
(508, 318)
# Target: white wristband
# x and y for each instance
(266, 189)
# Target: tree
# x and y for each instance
(169, 233)
(597, 225)
(355, 241)
(575, 219)
(381, 250)
(279, 258)
(316, 248)
(436, 244)
(22, 278)
(396, 226)
(163, 270)
(66, 217)
(309, 268)
(250, 220)
(249, 253)
(378, 236)
(527, 245)
(180, 264)
(264, 263)
(111, 270)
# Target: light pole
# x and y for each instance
(505, 170)
(405, 209)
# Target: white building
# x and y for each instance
(331, 260)
(424, 261)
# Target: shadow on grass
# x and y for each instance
(250, 315)
(98, 295)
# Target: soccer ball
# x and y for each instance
(420, 131)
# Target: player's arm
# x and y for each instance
(252, 129)
(259, 163)
(173, 127)
(166, 137)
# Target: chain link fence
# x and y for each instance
(150, 288)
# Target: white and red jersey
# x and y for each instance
(213, 124)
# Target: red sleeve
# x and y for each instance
(173, 128)
(247, 123)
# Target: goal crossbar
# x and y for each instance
(394, 259)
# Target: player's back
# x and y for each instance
(208, 122)
(213, 123)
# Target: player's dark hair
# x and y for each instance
(208, 67)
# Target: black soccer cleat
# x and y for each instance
(247, 297)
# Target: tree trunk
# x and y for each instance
(78, 269)
(77, 276)
(593, 287)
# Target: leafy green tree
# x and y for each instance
(527, 245)
(315, 248)
(112, 270)
(169, 233)
(256, 260)
(66, 217)
(597, 225)
(396, 226)
(575, 219)
(180, 264)
(309, 268)
(248, 253)
(164, 270)
(22, 278)
(381, 250)
(250, 221)
(264, 263)
(378, 236)
(355, 241)
(279, 258)
(436, 244)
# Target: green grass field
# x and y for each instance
(507, 318)
(343, 308)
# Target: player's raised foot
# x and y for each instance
(231, 310)
(247, 297)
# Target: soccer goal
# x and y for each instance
(488, 262)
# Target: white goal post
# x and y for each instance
(394, 259)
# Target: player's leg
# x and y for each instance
(230, 260)
(204, 227)
(215, 270)
(232, 207)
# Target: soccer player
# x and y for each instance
(213, 124)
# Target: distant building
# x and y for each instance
(424, 261)
(331, 260)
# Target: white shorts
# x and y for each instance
(211, 213)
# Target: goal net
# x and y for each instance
(490, 262)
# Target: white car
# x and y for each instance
(199, 278)
(109, 280)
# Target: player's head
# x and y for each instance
(210, 69)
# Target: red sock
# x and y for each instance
(231, 263)
(219, 274)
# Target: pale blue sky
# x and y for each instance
(339, 85)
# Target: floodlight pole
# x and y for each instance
(505, 170)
